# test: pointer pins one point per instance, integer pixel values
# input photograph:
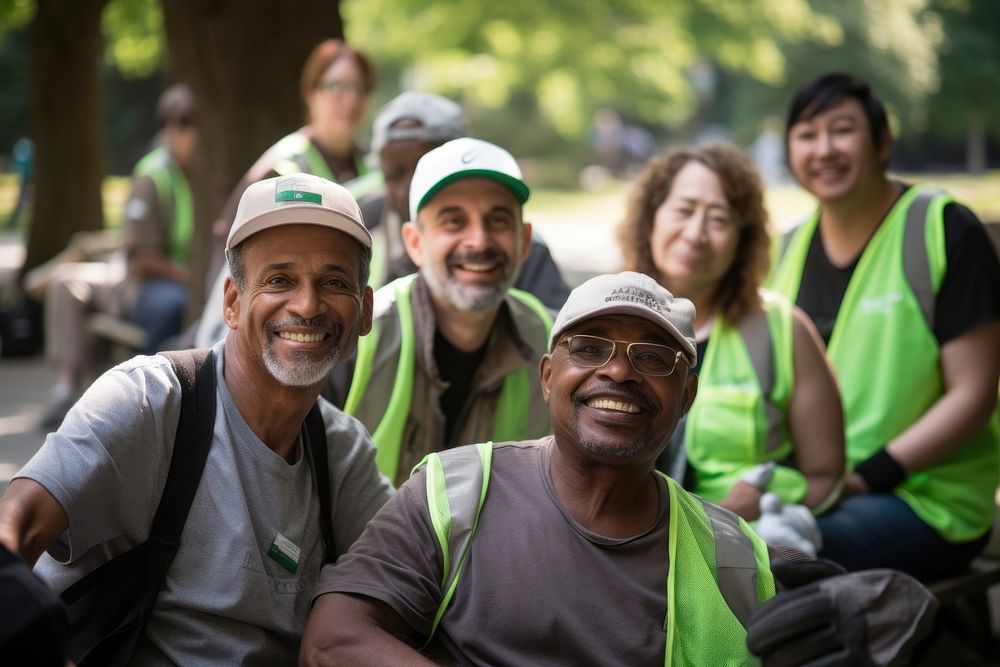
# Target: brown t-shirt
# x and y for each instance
(537, 588)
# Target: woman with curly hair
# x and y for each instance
(767, 416)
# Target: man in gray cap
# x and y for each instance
(257, 530)
(406, 128)
(572, 549)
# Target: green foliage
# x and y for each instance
(568, 58)
(133, 36)
(15, 14)
(891, 44)
(969, 65)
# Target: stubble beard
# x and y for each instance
(610, 451)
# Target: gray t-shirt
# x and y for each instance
(225, 601)
(537, 588)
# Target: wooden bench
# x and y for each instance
(118, 338)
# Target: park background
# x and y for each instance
(581, 91)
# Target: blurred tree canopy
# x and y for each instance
(531, 75)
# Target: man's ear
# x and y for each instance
(690, 390)
(545, 373)
(230, 303)
(527, 231)
(367, 301)
(413, 242)
(884, 150)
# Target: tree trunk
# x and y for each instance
(66, 124)
(242, 59)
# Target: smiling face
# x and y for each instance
(832, 155)
(469, 242)
(613, 412)
(695, 233)
(303, 305)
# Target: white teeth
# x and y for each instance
(477, 267)
(608, 404)
(301, 337)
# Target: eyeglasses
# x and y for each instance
(646, 358)
(342, 87)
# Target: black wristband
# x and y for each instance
(881, 472)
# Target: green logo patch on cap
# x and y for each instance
(285, 190)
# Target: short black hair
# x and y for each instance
(819, 94)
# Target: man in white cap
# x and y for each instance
(265, 515)
(454, 350)
(406, 128)
(573, 550)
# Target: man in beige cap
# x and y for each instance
(259, 527)
(453, 353)
(572, 549)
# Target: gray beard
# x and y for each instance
(304, 372)
(466, 297)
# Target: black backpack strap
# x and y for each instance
(195, 369)
(314, 438)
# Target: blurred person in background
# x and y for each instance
(903, 284)
(767, 416)
(148, 281)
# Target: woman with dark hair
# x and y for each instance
(696, 222)
(904, 285)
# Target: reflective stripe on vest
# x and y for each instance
(388, 435)
(705, 620)
(174, 195)
(738, 419)
(887, 360)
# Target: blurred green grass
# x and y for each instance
(787, 202)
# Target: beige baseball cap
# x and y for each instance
(629, 293)
(464, 158)
(297, 199)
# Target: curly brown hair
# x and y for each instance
(736, 293)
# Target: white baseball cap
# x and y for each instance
(297, 199)
(629, 293)
(464, 158)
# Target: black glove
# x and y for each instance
(825, 619)
(35, 630)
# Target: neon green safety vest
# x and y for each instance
(512, 406)
(739, 418)
(174, 195)
(887, 359)
(718, 567)
(296, 154)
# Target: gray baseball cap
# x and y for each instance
(629, 293)
(440, 119)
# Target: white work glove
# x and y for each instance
(790, 525)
